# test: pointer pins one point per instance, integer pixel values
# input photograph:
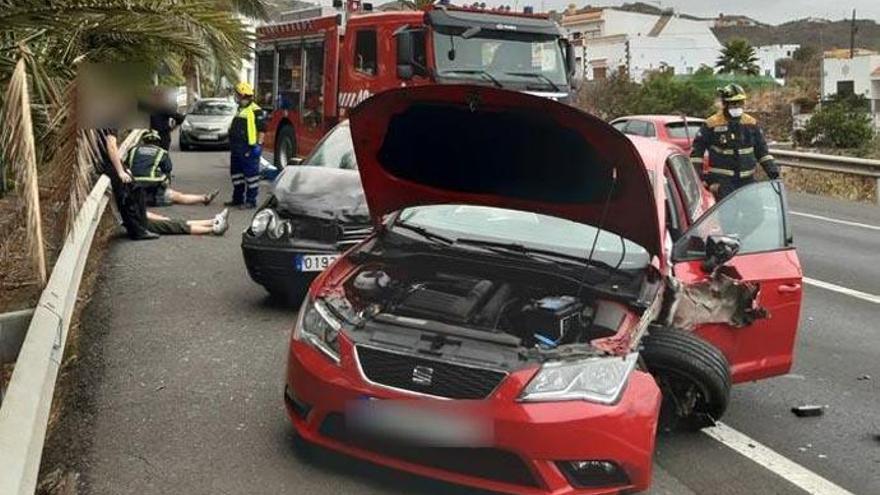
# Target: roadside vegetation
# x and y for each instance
(46, 168)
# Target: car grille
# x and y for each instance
(353, 234)
(427, 376)
(487, 463)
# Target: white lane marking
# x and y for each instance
(843, 290)
(835, 220)
(789, 470)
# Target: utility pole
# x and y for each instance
(852, 36)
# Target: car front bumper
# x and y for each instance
(272, 263)
(197, 138)
(528, 442)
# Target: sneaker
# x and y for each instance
(145, 236)
(210, 196)
(232, 203)
(247, 206)
(221, 223)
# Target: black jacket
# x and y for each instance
(735, 146)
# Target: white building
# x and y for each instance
(607, 40)
(857, 75)
(768, 55)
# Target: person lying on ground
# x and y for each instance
(151, 167)
(163, 225)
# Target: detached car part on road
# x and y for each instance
(316, 211)
(531, 263)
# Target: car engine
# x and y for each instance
(538, 316)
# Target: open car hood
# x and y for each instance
(460, 144)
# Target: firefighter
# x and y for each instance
(151, 167)
(246, 147)
(735, 144)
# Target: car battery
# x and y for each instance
(552, 317)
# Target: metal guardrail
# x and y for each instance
(828, 163)
(24, 414)
(861, 167)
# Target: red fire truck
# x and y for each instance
(311, 71)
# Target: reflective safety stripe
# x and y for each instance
(730, 173)
(255, 178)
(720, 150)
(724, 151)
(254, 186)
(766, 158)
(159, 156)
(236, 182)
(696, 159)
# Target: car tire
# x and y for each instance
(693, 375)
(285, 147)
(185, 146)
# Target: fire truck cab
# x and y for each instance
(310, 72)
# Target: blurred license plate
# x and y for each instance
(314, 262)
(209, 137)
(397, 420)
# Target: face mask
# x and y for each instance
(735, 112)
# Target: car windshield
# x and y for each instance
(213, 108)
(532, 61)
(529, 230)
(678, 130)
(334, 151)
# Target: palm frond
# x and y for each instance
(17, 134)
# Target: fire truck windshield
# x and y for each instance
(524, 63)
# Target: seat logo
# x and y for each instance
(423, 375)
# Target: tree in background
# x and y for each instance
(608, 98)
(738, 57)
(842, 122)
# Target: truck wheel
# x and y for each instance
(286, 147)
(693, 375)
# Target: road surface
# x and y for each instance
(181, 362)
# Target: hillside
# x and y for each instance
(824, 35)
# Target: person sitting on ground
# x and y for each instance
(151, 167)
(163, 225)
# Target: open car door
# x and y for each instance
(749, 307)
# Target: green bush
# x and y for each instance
(842, 122)
(660, 93)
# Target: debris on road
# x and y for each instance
(864, 378)
(808, 411)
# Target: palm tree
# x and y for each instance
(738, 57)
(43, 43)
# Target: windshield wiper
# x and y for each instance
(481, 72)
(427, 234)
(537, 75)
(533, 253)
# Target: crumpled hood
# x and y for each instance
(464, 144)
(321, 192)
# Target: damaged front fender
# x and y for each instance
(721, 298)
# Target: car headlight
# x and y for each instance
(263, 220)
(316, 326)
(598, 379)
(187, 125)
(279, 228)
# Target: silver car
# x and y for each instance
(207, 124)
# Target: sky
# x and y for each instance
(769, 11)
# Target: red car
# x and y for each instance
(540, 291)
(674, 129)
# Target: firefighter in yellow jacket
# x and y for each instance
(735, 144)
(246, 147)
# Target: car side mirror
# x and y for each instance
(719, 250)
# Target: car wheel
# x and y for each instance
(286, 147)
(185, 146)
(693, 375)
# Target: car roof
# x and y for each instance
(665, 119)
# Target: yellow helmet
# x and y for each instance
(244, 89)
